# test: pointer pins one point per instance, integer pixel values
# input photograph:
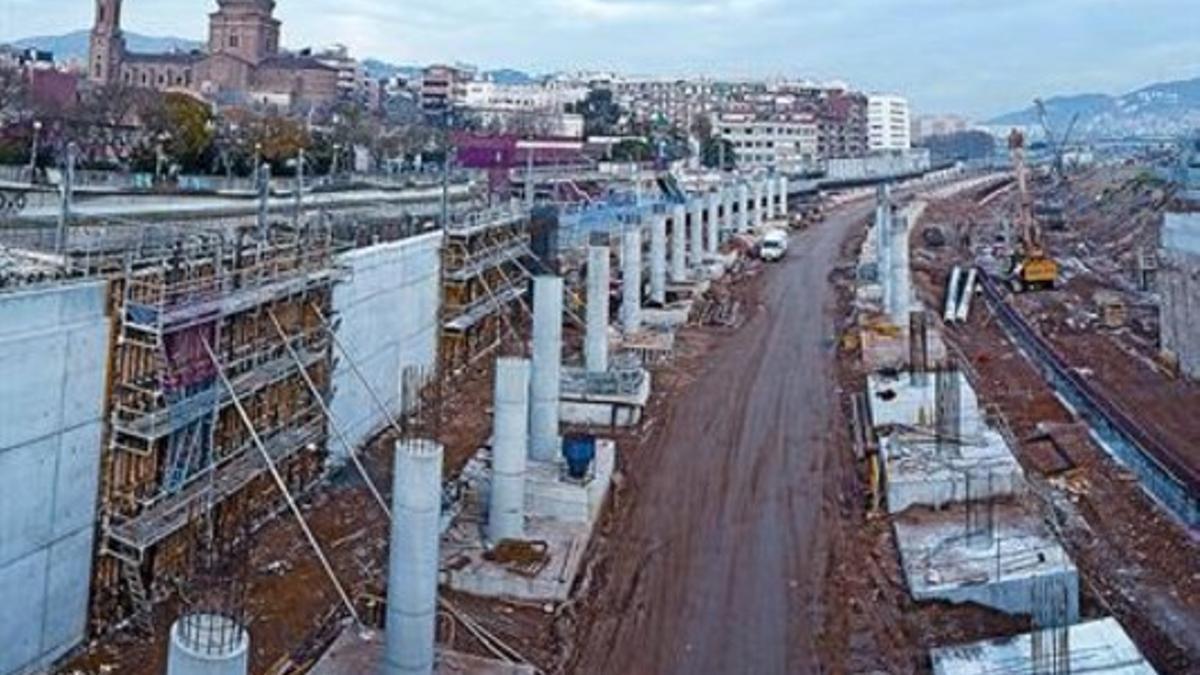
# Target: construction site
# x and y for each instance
(583, 424)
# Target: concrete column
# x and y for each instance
(696, 239)
(759, 220)
(727, 207)
(770, 189)
(743, 205)
(208, 644)
(545, 444)
(510, 439)
(783, 196)
(658, 259)
(598, 283)
(712, 241)
(679, 244)
(631, 284)
(413, 558)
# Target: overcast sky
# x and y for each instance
(978, 57)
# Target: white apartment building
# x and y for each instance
(783, 140)
(889, 125)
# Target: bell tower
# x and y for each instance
(107, 48)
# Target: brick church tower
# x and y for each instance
(245, 29)
(107, 48)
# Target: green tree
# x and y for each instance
(185, 128)
(601, 113)
(633, 150)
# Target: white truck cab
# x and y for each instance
(774, 246)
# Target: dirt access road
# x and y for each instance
(720, 563)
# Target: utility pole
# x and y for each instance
(446, 168)
(33, 151)
(66, 193)
(264, 196)
(529, 179)
(299, 188)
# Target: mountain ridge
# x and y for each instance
(1160, 109)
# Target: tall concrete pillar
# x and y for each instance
(413, 558)
(208, 644)
(727, 207)
(631, 284)
(743, 205)
(598, 283)
(758, 203)
(658, 259)
(545, 444)
(510, 442)
(783, 196)
(696, 238)
(712, 240)
(679, 244)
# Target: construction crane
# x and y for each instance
(1058, 146)
(1032, 267)
(1052, 209)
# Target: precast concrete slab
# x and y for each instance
(651, 346)
(1002, 564)
(897, 399)
(561, 514)
(1100, 647)
(587, 405)
(668, 318)
(918, 471)
(357, 651)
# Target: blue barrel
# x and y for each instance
(579, 452)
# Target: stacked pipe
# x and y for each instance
(413, 559)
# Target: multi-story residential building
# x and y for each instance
(524, 108)
(889, 124)
(842, 123)
(770, 140)
(672, 101)
(927, 126)
(839, 115)
(353, 83)
(443, 87)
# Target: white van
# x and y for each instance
(774, 246)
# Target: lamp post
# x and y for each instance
(33, 151)
(333, 165)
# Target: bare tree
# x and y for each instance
(14, 94)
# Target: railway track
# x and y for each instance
(1169, 476)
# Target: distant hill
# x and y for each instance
(381, 70)
(74, 45)
(1163, 109)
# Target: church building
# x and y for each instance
(243, 61)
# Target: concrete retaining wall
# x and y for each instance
(1179, 283)
(53, 356)
(388, 311)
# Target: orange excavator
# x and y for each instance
(1032, 267)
